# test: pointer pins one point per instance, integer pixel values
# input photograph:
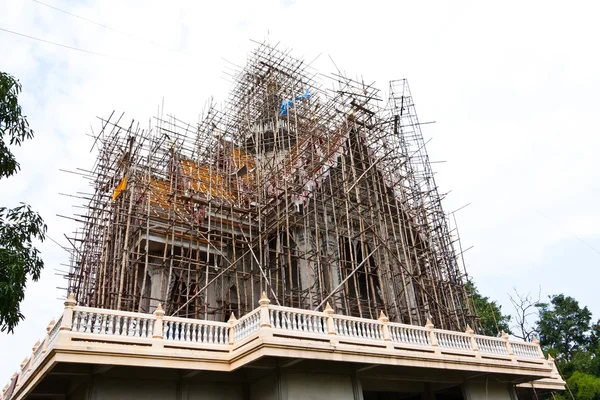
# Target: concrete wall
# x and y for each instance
(489, 391)
(272, 386)
(127, 389)
(318, 386)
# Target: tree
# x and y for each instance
(563, 327)
(490, 312)
(525, 308)
(584, 386)
(19, 226)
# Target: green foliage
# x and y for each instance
(19, 226)
(563, 327)
(490, 313)
(584, 386)
(13, 124)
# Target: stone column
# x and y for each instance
(156, 291)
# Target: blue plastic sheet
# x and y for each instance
(286, 104)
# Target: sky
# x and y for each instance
(513, 88)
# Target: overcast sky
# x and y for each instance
(514, 89)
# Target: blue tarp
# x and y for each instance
(285, 104)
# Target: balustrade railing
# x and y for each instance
(357, 327)
(453, 340)
(54, 331)
(247, 325)
(195, 331)
(292, 319)
(109, 322)
(528, 350)
(88, 320)
(491, 345)
(408, 334)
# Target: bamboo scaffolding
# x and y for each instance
(312, 195)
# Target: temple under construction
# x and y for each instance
(292, 245)
(314, 189)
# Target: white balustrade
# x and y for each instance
(528, 350)
(453, 340)
(246, 325)
(195, 331)
(292, 319)
(408, 334)
(357, 327)
(54, 332)
(492, 345)
(110, 322)
(37, 352)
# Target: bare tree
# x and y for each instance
(525, 307)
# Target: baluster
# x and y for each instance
(125, 326)
(272, 316)
(111, 325)
(75, 322)
(210, 338)
(371, 333)
(118, 325)
(279, 325)
(137, 327)
(304, 325)
(88, 325)
(220, 335)
(143, 333)
(98, 324)
(226, 337)
(82, 324)
(103, 325)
